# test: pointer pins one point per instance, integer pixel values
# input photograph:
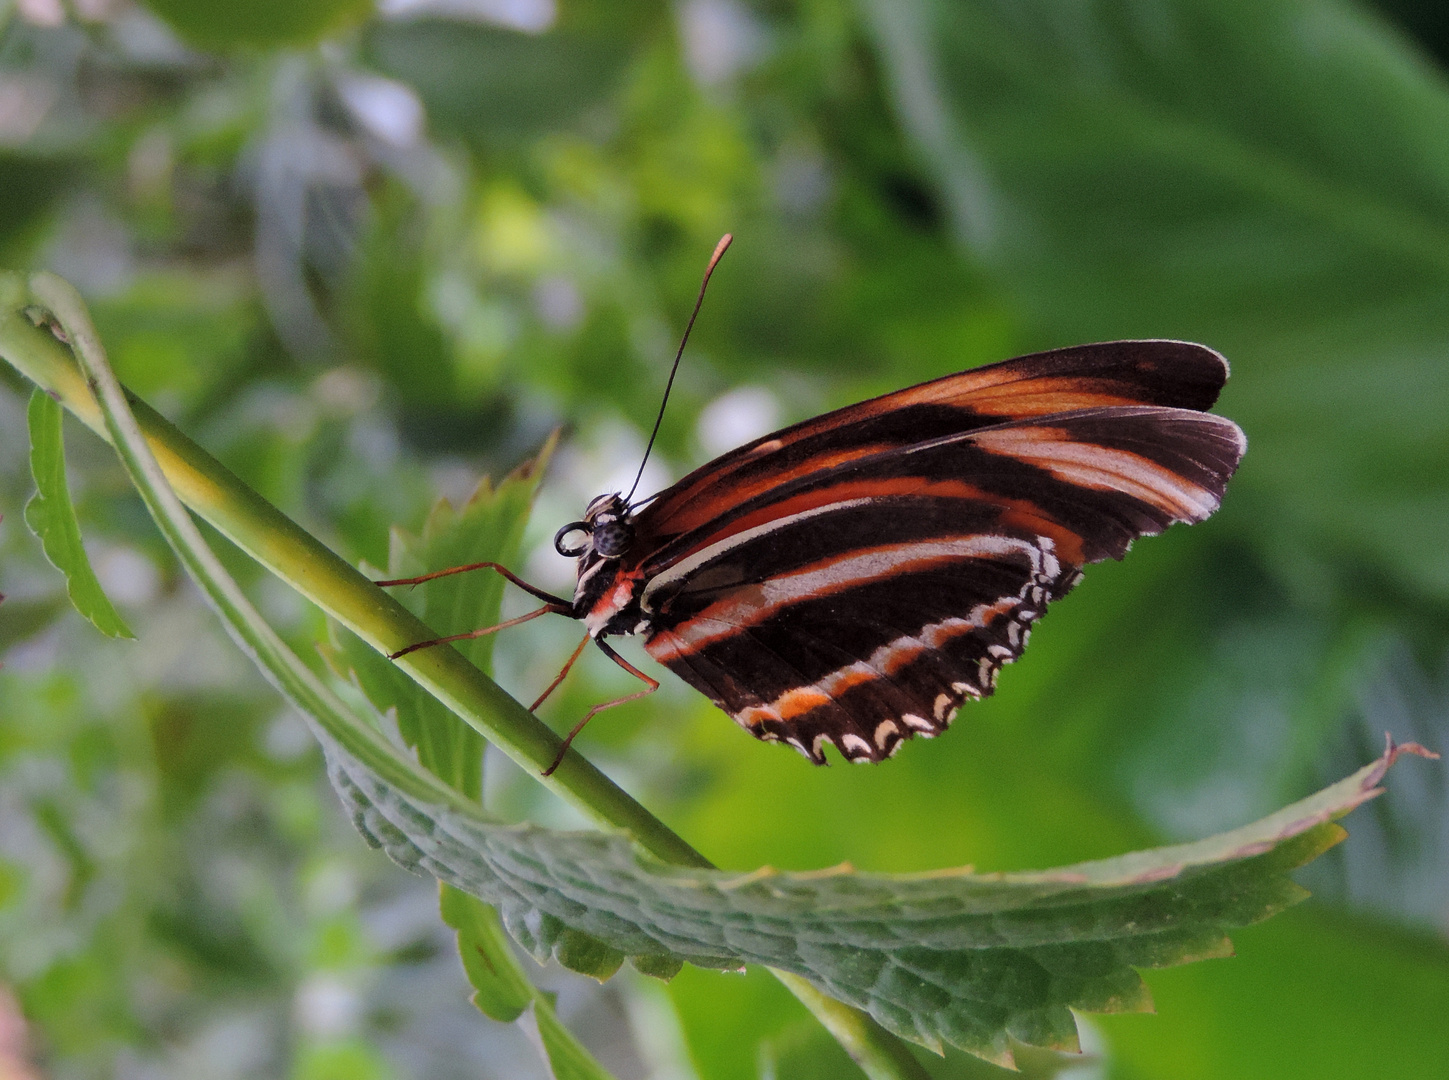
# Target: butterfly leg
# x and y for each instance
(568, 665)
(632, 670)
(547, 609)
(534, 590)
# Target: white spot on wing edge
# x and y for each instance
(1050, 565)
(853, 746)
(883, 731)
(917, 723)
(966, 688)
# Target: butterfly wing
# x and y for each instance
(854, 578)
(1173, 374)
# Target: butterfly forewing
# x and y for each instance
(1121, 373)
(852, 579)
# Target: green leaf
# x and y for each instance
(445, 746)
(567, 1059)
(52, 518)
(224, 24)
(500, 989)
(972, 960)
(487, 527)
(1267, 176)
(454, 66)
(503, 992)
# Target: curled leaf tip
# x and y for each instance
(1392, 750)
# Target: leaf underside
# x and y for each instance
(955, 957)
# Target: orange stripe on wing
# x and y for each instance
(696, 504)
(800, 701)
(1005, 395)
(1167, 373)
(1010, 396)
(1018, 516)
(884, 662)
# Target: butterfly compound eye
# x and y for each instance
(578, 531)
(613, 538)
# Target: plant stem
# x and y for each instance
(169, 469)
(319, 574)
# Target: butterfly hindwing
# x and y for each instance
(906, 632)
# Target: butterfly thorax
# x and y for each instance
(606, 595)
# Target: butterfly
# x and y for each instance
(850, 581)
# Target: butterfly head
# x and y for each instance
(605, 531)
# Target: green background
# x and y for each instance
(365, 258)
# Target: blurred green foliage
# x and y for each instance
(367, 269)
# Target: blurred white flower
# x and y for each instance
(721, 39)
(557, 301)
(41, 12)
(24, 102)
(126, 575)
(530, 16)
(386, 108)
(737, 417)
(327, 1007)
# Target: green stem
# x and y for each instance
(298, 558)
(251, 631)
(169, 469)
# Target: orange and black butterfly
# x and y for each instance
(851, 580)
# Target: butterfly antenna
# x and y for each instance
(719, 250)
